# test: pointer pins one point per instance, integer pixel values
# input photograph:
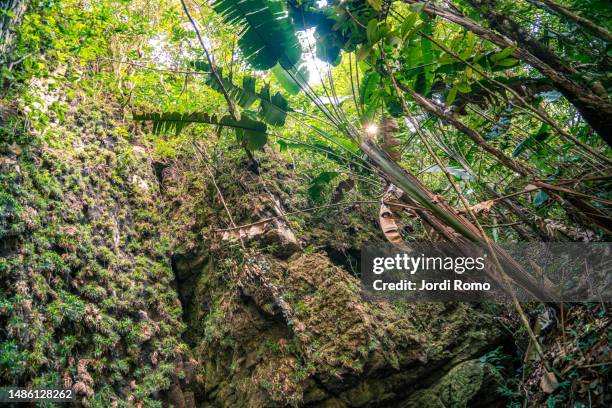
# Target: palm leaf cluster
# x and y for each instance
(272, 108)
(251, 131)
(267, 36)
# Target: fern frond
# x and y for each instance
(250, 131)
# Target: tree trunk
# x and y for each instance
(600, 32)
(11, 12)
(595, 109)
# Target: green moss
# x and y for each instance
(455, 389)
(75, 290)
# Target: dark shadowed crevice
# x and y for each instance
(348, 259)
(187, 270)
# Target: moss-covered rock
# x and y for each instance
(88, 238)
(86, 296)
(133, 283)
(268, 330)
(455, 389)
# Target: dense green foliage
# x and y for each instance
(487, 114)
(493, 116)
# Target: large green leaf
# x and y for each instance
(291, 78)
(368, 85)
(427, 53)
(268, 35)
(327, 49)
(252, 140)
(329, 42)
(273, 109)
(369, 95)
(370, 108)
(244, 96)
(502, 55)
(319, 182)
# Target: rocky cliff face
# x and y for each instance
(122, 280)
(297, 332)
(276, 324)
(86, 296)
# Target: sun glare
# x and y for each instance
(371, 129)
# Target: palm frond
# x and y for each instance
(268, 36)
(273, 109)
(252, 132)
(244, 96)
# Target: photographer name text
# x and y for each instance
(423, 285)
